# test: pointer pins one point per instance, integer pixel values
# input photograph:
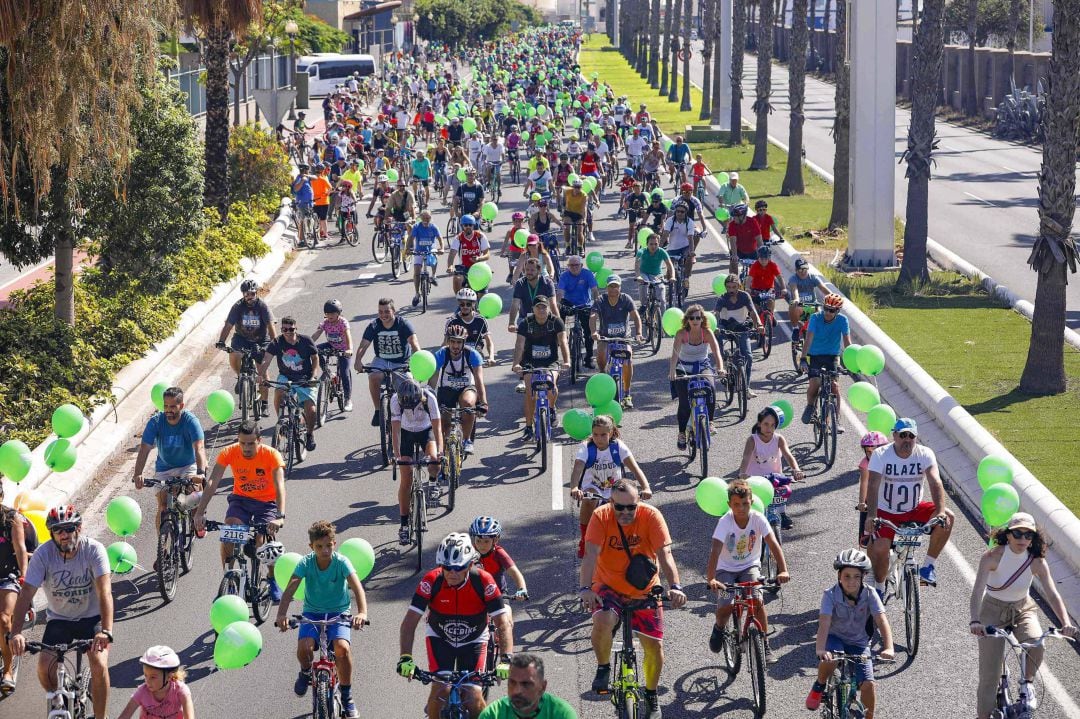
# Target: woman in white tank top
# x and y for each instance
(1001, 597)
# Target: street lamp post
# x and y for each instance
(292, 29)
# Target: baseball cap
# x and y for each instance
(733, 176)
(1022, 520)
(541, 300)
(906, 424)
(800, 263)
(614, 280)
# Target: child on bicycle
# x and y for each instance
(338, 339)
(765, 222)
(416, 429)
(869, 442)
(761, 456)
(598, 465)
(698, 171)
(328, 578)
(484, 532)
(346, 205)
(163, 693)
(849, 610)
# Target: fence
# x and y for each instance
(257, 76)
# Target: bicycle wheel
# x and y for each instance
(655, 330)
(337, 391)
(322, 400)
(732, 647)
(230, 584)
(767, 339)
(298, 441)
(352, 234)
(702, 423)
(796, 350)
(82, 704)
(542, 439)
(167, 567)
(727, 390)
(691, 441)
(419, 507)
(283, 443)
(742, 390)
(244, 398)
(575, 355)
(911, 610)
(378, 246)
(768, 564)
(818, 427)
(425, 287)
(829, 433)
(260, 604)
(756, 665)
(453, 471)
(385, 441)
(395, 261)
(187, 544)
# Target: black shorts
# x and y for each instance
(414, 444)
(573, 216)
(321, 211)
(428, 126)
(448, 396)
(444, 657)
(63, 631)
(240, 343)
(820, 362)
(425, 182)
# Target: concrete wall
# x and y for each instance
(332, 12)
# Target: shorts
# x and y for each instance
(428, 126)
(922, 514)
(750, 574)
(864, 669)
(648, 622)
(187, 472)
(676, 254)
(304, 394)
(449, 396)
(425, 181)
(9, 585)
(572, 216)
(251, 511)
(445, 657)
(746, 255)
(242, 343)
(333, 633)
(379, 363)
(419, 258)
(65, 631)
(414, 444)
(820, 362)
(321, 211)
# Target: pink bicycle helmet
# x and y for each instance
(873, 439)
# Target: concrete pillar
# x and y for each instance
(872, 28)
(723, 46)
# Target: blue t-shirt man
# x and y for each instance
(424, 237)
(679, 152)
(828, 336)
(175, 443)
(577, 288)
(302, 192)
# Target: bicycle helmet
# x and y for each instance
(577, 183)
(686, 187)
(455, 552)
(302, 168)
(332, 306)
(761, 205)
(852, 558)
(160, 657)
(764, 252)
(739, 210)
(410, 395)
(468, 221)
(517, 216)
(249, 286)
(270, 551)
(485, 527)
(628, 171)
(63, 514)
(535, 197)
(873, 439)
(465, 294)
(834, 301)
(346, 184)
(456, 332)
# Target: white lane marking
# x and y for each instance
(1018, 172)
(372, 265)
(953, 149)
(365, 276)
(556, 478)
(976, 197)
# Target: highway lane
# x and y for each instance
(342, 481)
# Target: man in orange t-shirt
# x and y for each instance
(321, 189)
(605, 590)
(258, 491)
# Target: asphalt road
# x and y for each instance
(343, 481)
(983, 197)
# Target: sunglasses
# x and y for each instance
(906, 435)
(695, 318)
(288, 330)
(64, 528)
(1022, 534)
(831, 310)
(624, 507)
(455, 569)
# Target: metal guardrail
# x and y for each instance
(256, 76)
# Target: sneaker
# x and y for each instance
(520, 388)
(680, 441)
(434, 281)
(300, 686)
(751, 394)
(403, 535)
(1032, 696)
(348, 406)
(601, 683)
(807, 414)
(376, 419)
(467, 446)
(509, 278)
(264, 408)
(652, 707)
(882, 595)
(415, 300)
(628, 402)
(310, 444)
(785, 522)
(527, 433)
(349, 708)
(716, 639)
(928, 576)
(768, 654)
(589, 363)
(813, 699)
(236, 387)
(839, 428)
(275, 591)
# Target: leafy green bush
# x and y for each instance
(258, 165)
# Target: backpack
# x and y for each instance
(590, 460)
(474, 579)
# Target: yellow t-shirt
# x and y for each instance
(575, 203)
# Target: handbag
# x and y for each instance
(641, 570)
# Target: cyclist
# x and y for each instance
(694, 210)
(577, 288)
(679, 241)
(539, 180)
(178, 437)
(421, 242)
(304, 198)
(459, 381)
(379, 194)
(321, 189)
(736, 557)
(650, 165)
(894, 492)
(827, 335)
(253, 323)
(765, 277)
(650, 263)
(678, 156)
(401, 204)
(526, 693)
(540, 224)
(636, 146)
(534, 249)
(869, 442)
(802, 288)
(328, 578)
(611, 317)
(258, 490)
(764, 449)
(655, 211)
(338, 339)
(420, 171)
(17, 541)
(459, 598)
(493, 153)
(1002, 597)
(562, 172)
(510, 250)
(590, 166)
(346, 204)
(468, 197)
(847, 608)
(744, 237)
(395, 341)
(163, 692)
(472, 246)
(635, 202)
(541, 339)
(573, 217)
(698, 171)
(417, 436)
(621, 528)
(733, 193)
(476, 327)
(766, 222)
(74, 571)
(690, 352)
(297, 361)
(484, 533)
(735, 311)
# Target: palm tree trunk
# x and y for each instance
(718, 61)
(216, 58)
(708, 30)
(738, 48)
(826, 55)
(762, 106)
(688, 17)
(676, 44)
(842, 124)
(970, 99)
(929, 48)
(1015, 9)
(641, 14)
(654, 44)
(1055, 253)
(665, 53)
(793, 178)
(813, 35)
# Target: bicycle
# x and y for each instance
(827, 416)
(28, 624)
(543, 382)
(1004, 707)
(330, 390)
(325, 700)
(798, 332)
(454, 451)
(239, 579)
(575, 243)
(495, 181)
(386, 391)
(902, 581)
(424, 499)
(515, 167)
(453, 227)
(455, 706)
(769, 568)
(627, 692)
(699, 190)
(289, 433)
(380, 243)
(768, 321)
(347, 226)
(307, 226)
(175, 533)
(247, 381)
(840, 699)
(576, 340)
(699, 438)
(394, 243)
(418, 192)
(71, 699)
(652, 313)
(619, 354)
(749, 640)
(494, 649)
(736, 385)
(431, 262)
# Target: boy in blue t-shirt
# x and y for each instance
(328, 578)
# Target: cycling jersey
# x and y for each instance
(456, 374)
(458, 615)
(424, 237)
(469, 247)
(495, 563)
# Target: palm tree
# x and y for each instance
(738, 48)
(1055, 252)
(654, 45)
(762, 106)
(708, 30)
(688, 16)
(665, 53)
(641, 26)
(928, 47)
(793, 178)
(1016, 7)
(825, 37)
(718, 62)
(970, 98)
(813, 35)
(676, 44)
(842, 123)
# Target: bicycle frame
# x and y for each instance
(902, 580)
(324, 663)
(1005, 707)
(626, 689)
(242, 539)
(619, 353)
(455, 681)
(72, 694)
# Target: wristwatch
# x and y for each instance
(676, 587)
(108, 634)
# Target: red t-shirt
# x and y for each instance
(745, 234)
(763, 277)
(765, 222)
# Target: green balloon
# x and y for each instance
(392, 175)
(572, 178)
(999, 503)
(762, 489)
(60, 455)
(594, 261)
(489, 211)
(718, 287)
(283, 571)
(595, 128)
(123, 516)
(220, 405)
(360, 554)
(575, 122)
(667, 204)
(667, 143)
(672, 320)
(461, 176)
(612, 409)
(722, 214)
(863, 396)
(994, 470)
(237, 646)
(600, 389)
(157, 395)
(880, 418)
(227, 609)
(723, 178)
(490, 306)
(422, 365)
(521, 238)
(540, 140)
(711, 496)
(850, 358)
(15, 460)
(577, 423)
(657, 192)
(441, 119)
(786, 411)
(479, 276)
(643, 236)
(710, 320)
(871, 360)
(602, 276)
(757, 505)
(469, 125)
(67, 420)
(122, 557)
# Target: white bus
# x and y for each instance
(326, 73)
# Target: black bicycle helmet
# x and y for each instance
(249, 286)
(332, 306)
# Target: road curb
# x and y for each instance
(100, 440)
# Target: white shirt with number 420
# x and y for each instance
(901, 479)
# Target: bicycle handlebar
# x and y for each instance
(212, 526)
(344, 620)
(289, 384)
(910, 529)
(170, 481)
(458, 678)
(75, 645)
(1007, 635)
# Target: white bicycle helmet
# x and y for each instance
(852, 558)
(160, 657)
(270, 551)
(465, 294)
(455, 552)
